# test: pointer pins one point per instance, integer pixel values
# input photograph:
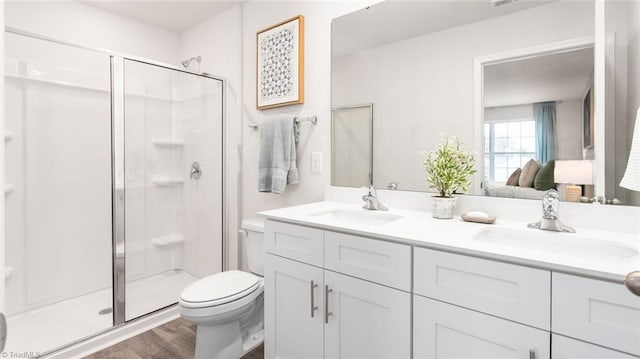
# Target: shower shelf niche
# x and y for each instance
(167, 181)
(168, 143)
(168, 241)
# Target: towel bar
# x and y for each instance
(312, 119)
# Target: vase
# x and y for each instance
(443, 207)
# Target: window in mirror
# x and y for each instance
(508, 146)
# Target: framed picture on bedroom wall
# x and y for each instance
(280, 64)
(587, 122)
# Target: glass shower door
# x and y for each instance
(173, 183)
(58, 194)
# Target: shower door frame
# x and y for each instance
(117, 168)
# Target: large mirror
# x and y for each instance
(517, 83)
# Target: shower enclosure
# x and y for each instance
(113, 188)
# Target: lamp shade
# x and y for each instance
(573, 172)
(631, 178)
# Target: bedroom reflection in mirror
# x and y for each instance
(533, 125)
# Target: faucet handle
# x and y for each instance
(371, 191)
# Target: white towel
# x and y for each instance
(277, 164)
(631, 178)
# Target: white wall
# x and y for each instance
(569, 130)
(423, 87)
(318, 16)
(80, 23)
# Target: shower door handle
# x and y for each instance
(3, 331)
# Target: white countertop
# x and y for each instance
(585, 252)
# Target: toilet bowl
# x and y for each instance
(227, 307)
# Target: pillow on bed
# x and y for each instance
(514, 178)
(528, 175)
(544, 178)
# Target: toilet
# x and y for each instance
(227, 307)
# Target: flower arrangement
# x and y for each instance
(449, 167)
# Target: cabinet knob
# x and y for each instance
(632, 281)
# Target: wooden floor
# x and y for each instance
(174, 340)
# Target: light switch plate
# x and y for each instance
(316, 162)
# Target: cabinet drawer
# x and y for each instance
(567, 348)
(510, 291)
(300, 243)
(446, 331)
(596, 311)
(377, 261)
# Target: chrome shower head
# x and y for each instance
(187, 63)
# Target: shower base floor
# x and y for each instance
(56, 325)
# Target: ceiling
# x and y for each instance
(562, 76)
(397, 20)
(172, 15)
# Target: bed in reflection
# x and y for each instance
(501, 189)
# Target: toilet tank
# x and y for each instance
(254, 245)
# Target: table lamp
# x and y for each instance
(573, 173)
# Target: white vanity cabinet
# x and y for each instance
(336, 295)
(337, 309)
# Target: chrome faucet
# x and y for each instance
(371, 201)
(550, 217)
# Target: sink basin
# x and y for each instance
(358, 216)
(536, 240)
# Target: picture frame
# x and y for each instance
(587, 120)
(280, 64)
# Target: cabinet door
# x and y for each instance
(293, 328)
(446, 331)
(366, 320)
(566, 348)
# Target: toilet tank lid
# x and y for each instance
(254, 224)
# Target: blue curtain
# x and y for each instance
(545, 115)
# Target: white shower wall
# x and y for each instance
(173, 222)
(50, 258)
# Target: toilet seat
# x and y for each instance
(219, 289)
